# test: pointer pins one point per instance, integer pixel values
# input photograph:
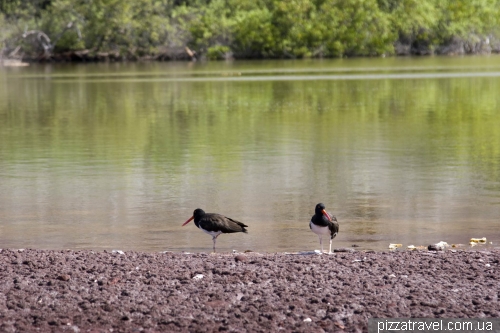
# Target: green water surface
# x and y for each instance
(118, 155)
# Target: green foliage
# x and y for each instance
(244, 28)
(461, 17)
(212, 26)
(413, 21)
(218, 52)
(253, 33)
(294, 23)
(356, 27)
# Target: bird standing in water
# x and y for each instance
(323, 223)
(215, 224)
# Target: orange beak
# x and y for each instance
(192, 217)
(324, 213)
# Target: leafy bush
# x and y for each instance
(244, 28)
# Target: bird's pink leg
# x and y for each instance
(214, 239)
(321, 242)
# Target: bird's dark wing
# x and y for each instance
(217, 222)
(237, 226)
(334, 227)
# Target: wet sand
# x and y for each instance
(85, 291)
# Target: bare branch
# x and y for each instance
(47, 45)
(45, 41)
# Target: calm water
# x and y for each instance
(117, 156)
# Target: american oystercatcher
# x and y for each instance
(215, 224)
(323, 223)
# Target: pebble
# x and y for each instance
(344, 250)
(240, 258)
(64, 277)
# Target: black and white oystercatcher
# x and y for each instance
(323, 223)
(215, 224)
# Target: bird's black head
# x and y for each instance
(319, 209)
(198, 212)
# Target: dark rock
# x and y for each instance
(240, 258)
(344, 250)
(435, 248)
(64, 277)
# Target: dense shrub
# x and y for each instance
(217, 29)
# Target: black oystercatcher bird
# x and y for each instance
(215, 224)
(323, 223)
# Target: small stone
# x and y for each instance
(218, 303)
(307, 320)
(64, 277)
(240, 258)
(441, 246)
(114, 280)
(107, 308)
(198, 277)
(339, 325)
(321, 313)
(344, 250)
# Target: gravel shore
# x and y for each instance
(86, 291)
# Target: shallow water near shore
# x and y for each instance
(118, 155)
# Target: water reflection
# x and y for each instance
(91, 158)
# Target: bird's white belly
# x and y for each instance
(212, 233)
(319, 230)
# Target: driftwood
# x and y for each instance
(191, 53)
(45, 41)
(13, 63)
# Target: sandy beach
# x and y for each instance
(86, 291)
